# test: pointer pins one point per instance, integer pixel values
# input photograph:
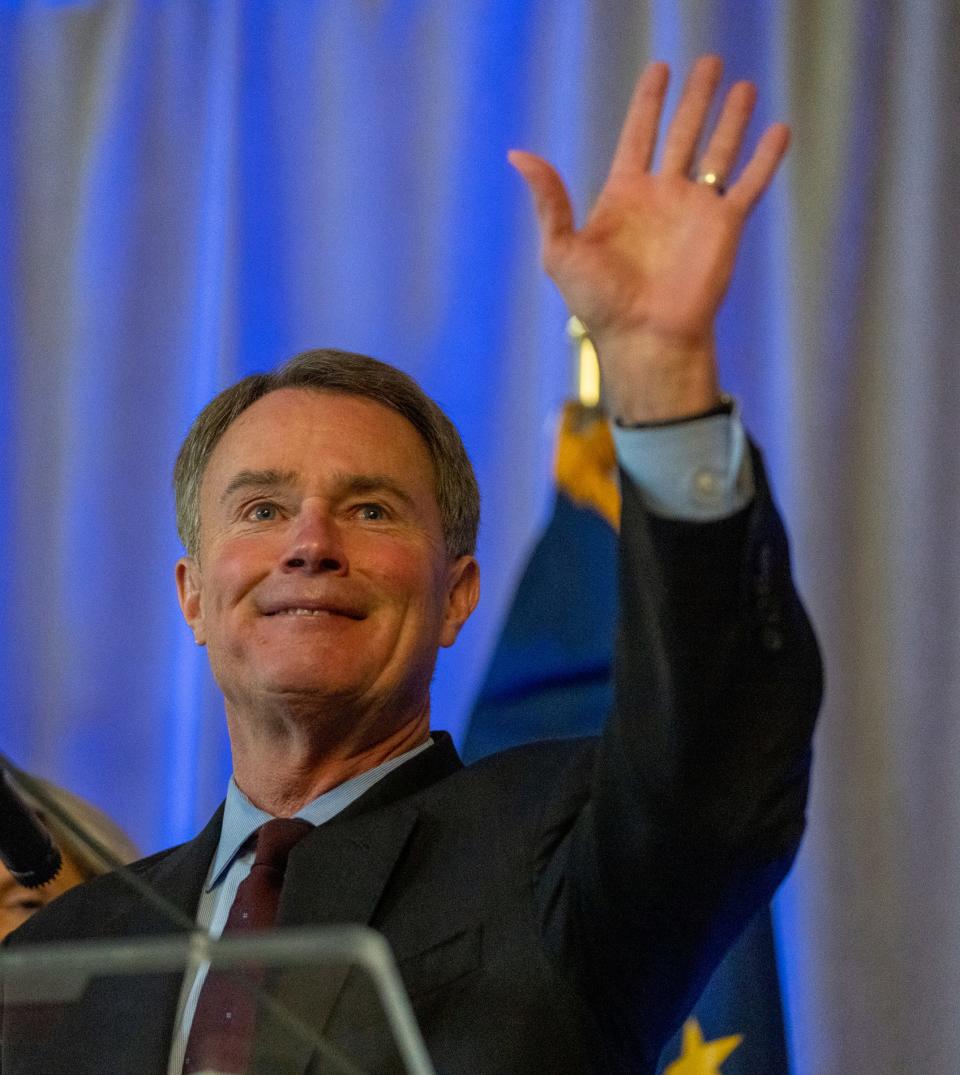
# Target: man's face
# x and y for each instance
(322, 574)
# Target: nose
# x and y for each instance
(316, 546)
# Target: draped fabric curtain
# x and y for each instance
(193, 190)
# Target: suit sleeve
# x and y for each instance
(696, 803)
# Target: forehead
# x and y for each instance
(306, 431)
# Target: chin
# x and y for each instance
(309, 684)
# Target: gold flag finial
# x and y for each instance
(586, 462)
(587, 366)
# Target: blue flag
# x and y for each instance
(551, 676)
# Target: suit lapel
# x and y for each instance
(175, 880)
(337, 876)
(434, 764)
(339, 872)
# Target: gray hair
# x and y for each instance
(458, 497)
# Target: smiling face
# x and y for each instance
(322, 576)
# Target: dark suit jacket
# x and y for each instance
(555, 908)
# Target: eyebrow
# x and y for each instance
(257, 479)
(359, 484)
(350, 484)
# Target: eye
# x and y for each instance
(23, 904)
(263, 512)
(371, 512)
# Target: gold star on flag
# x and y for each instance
(699, 1057)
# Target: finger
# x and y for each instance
(684, 131)
(724, 146)
(550, 200)
(638, 138)
(761, 168)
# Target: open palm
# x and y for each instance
(649, 268)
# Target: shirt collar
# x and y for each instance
(241, 818)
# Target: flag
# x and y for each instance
(551, 676)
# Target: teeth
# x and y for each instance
(303, 612)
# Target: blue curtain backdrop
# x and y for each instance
(193, 190)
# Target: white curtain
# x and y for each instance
(189, 191)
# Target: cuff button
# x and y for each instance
(707, 487)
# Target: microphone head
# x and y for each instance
(26, 848)
(40, 873)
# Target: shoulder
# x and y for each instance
(530, 761)
(520, 786)
(87, 910)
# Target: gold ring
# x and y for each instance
(712, 179)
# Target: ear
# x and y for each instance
(463, 592)
(188, 593)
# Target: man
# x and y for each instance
(558, 907)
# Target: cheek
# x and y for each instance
(16, 914)
(229, 575)
(10, 919)
(409, 574)
(421, 591)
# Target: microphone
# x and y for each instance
(26, 848)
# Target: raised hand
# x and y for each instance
(649, 268)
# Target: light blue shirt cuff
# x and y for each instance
(697, 470)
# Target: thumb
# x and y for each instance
(550, 200)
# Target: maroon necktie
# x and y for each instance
(222, 1031)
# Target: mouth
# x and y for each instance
(314, 611)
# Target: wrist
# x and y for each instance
(652, 378)
(724, 405)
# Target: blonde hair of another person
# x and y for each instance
(69, 819)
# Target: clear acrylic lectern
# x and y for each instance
(329, 1002)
